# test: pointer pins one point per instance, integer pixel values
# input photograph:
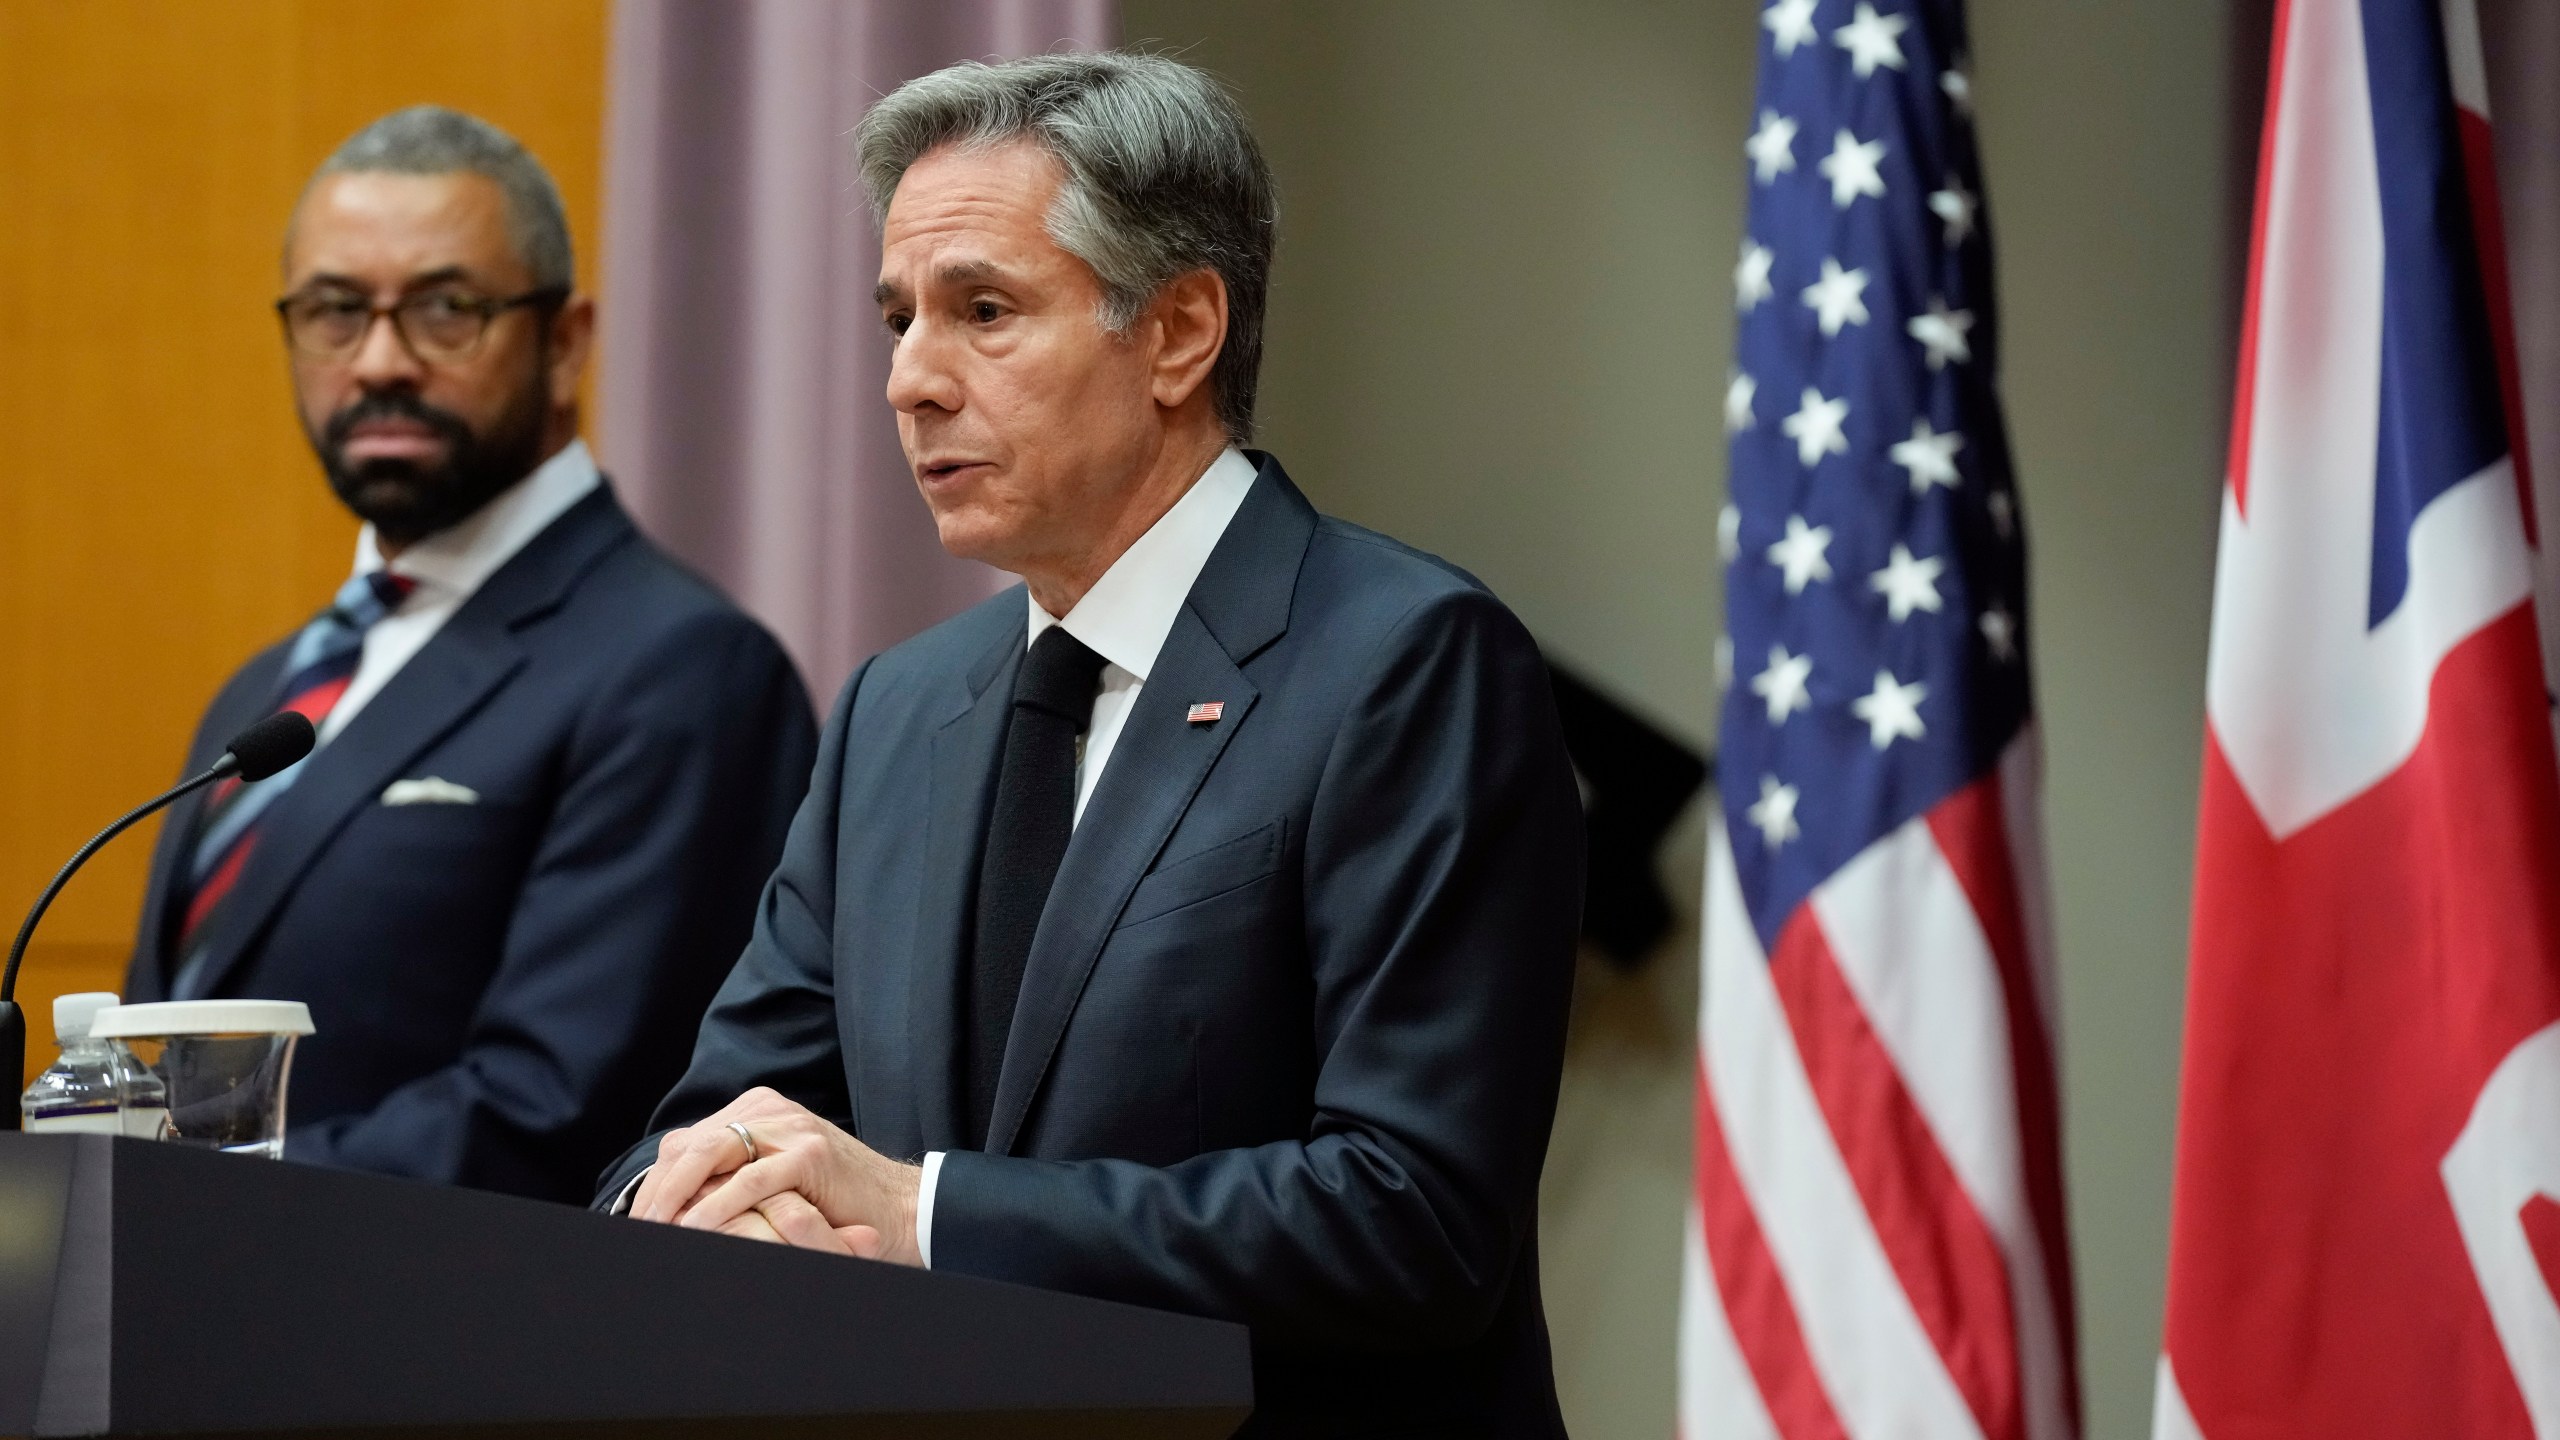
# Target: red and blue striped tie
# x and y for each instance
(317, 671)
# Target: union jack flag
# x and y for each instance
(1877, 1246)
(2365, 1239)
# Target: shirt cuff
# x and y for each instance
(622, 1202)
(924, 1206)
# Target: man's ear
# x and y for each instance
(1190, 316)
(571, 336)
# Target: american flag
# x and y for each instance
(1877, 1245)
(2366, 1230)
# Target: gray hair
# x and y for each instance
(1163, 178)
(432, 140)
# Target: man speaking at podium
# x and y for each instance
(553, 768)
(1203, 920)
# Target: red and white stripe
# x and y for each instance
(1877, 1242)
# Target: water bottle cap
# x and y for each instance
(72, 1014)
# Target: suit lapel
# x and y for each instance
(149, 972)
(168, 861)
(232, 711)
(1154, 769)
(964, 774)
(471, 656)
(432, 693)
(1239, 605)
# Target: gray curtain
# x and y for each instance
(742, 366)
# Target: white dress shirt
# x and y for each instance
(1124, 619)
(451, 565)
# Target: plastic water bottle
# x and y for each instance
(78, 1093)
(98, 1086)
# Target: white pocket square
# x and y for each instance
(430, 791)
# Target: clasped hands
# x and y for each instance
(810, 1184)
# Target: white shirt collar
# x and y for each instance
(1128, 613)
(456, 560)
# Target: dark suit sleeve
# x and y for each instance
(1443, 867)
(774, 1021)
(679, 782)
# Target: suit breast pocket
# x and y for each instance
(447, 852)
(422, 897)
(1206, 874)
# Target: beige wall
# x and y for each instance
(1500, 330)
(2108, 156)
(1505, 234)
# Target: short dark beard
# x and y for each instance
(406, 502)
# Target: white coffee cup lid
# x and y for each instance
(203, 1017)
(72, 1014)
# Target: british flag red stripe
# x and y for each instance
(2367, 1150)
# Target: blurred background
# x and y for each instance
(1500, 330)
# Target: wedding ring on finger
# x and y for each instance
(745, 1137)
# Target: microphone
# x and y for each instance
(273, 744)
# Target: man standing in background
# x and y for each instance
(554, 768)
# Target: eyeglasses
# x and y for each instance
(438, 325)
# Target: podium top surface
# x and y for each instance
(153, 1289)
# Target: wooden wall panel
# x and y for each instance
(160, 514)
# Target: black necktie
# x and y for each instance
(1027, 832)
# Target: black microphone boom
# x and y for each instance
(271, 745)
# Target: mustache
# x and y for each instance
(396, 405)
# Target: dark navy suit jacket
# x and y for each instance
(502, 989)
(1291, 1029)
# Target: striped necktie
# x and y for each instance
(317, 671)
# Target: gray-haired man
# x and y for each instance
(1202, 918)
(554, 769)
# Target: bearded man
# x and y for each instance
(554, 768)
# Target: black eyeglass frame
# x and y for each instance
(547, 298)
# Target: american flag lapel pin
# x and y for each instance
(1206, 712)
